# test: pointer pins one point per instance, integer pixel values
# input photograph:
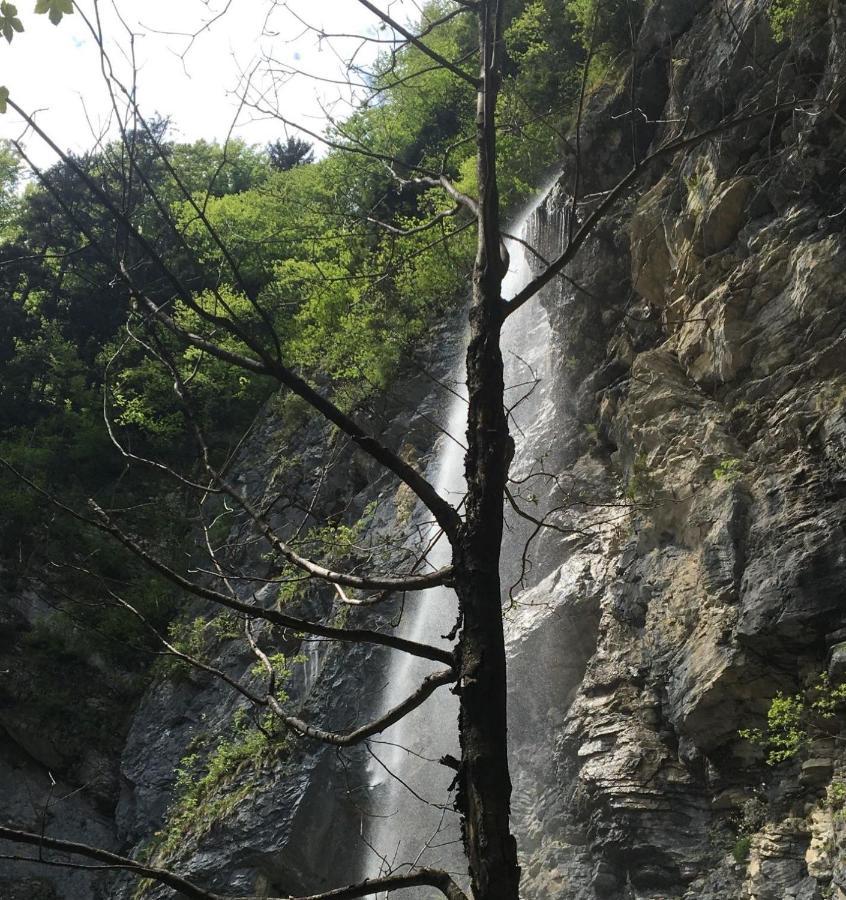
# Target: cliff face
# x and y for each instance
(41, 772)
(696, 409)
(702, 365)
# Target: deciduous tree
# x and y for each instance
(191, 316)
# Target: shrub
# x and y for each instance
(793, 720)
(729, 469)
(642, 486)
(741, 848)
(783, 13)
(204, 794)
(835, 797)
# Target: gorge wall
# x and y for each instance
(699, 342)
(696, 426)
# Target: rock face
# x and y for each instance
(705, 374)
(699, 398)
(41, 771)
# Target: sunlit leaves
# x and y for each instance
(4, 99)
(54, 9)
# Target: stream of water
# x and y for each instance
(414, 824)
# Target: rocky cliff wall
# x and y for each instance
(299, 820)
(700, 339)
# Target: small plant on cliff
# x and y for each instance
(835, 797)
(195, 638)
(782, 15)
(333, 545)
(793, 720)
(642, 487)
(280, 664)
(741, 848)
(605, 27)
(749, 819)
(729, 469)
(200, 795)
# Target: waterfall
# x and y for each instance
(413, 822)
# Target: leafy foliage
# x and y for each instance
(783, 14)
(793, 719)
(729, 469)
(9, 21)
(293, 152)
(198, 637)
(335, 544)
(202, 794)
(741, 848)
(55, 10)
(642, 485)
(835, 796)
(608, 26)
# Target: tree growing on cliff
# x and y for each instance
(236, 328)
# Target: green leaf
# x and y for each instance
(9, 21)
(54, 9)
(4, 96)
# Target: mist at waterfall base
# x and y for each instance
(412, 822)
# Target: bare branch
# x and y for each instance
(430, 684)
(349, 635)
(275, 617)
(187, 657)
(421, 877)
(187, 888)
(444, 512)
(423, 48)
(425, 226)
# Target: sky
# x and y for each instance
(55, 70)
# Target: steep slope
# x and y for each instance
(701, 364)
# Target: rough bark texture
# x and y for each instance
(484, 798)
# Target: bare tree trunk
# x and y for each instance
(485, 784)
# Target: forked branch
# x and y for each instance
(103, 522)
(423, 48)
(268, 700)
(428, 687)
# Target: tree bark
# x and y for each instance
(484, 781)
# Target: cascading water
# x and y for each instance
(413, 823)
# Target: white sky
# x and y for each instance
(56, 69)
